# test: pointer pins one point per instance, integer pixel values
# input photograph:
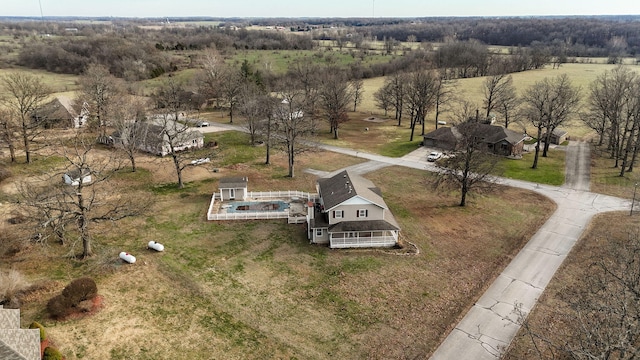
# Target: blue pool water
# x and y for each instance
(257, 206)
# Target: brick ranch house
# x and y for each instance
(495, 139)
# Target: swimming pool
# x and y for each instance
(256, 206)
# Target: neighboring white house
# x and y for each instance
(233, 188)
(156, 138)
(350, 213)
(76, 176)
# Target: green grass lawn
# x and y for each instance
(550, 169)
(56, 82)
(278, 61)
(606, 179)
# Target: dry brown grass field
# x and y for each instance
(258, 289)
(605, 178)
(471, 89)
(594, 245)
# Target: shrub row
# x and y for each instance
(76, 292)
(51, 353)
(37, 325)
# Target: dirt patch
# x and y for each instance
(86, 309)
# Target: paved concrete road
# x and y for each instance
(490, 324)
(577, 174)
(217, 127)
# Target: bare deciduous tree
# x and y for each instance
(445, 91)
(398, 89)
(254, 107)
(464, 110)
(308, 75)
(8, 133)
(174, 136)
(508, 106)
(99, 89)
(55, 204)
(24, 95)
(231, 86)
(335, 95)
(357, 89)
(549, 103)
(420, 97)
(613, 112)
(290, 123)
(470, 167)
(384, 98)
(494, 89)
(212, 65)
(390, 45)
(129, 119)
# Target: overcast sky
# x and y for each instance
(316, 8)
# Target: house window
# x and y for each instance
(338, 214)
(362, 213)
(318, 232)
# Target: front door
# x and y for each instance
(232, 194)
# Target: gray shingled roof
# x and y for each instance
(233, 182)
(366, 225)
(494, 134)
(344, 186)
(488, 133)
(55, 110)
(443, 134)
(17, 343)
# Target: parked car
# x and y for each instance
(202, 123)
(435, 155)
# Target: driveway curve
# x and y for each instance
(490, 325)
